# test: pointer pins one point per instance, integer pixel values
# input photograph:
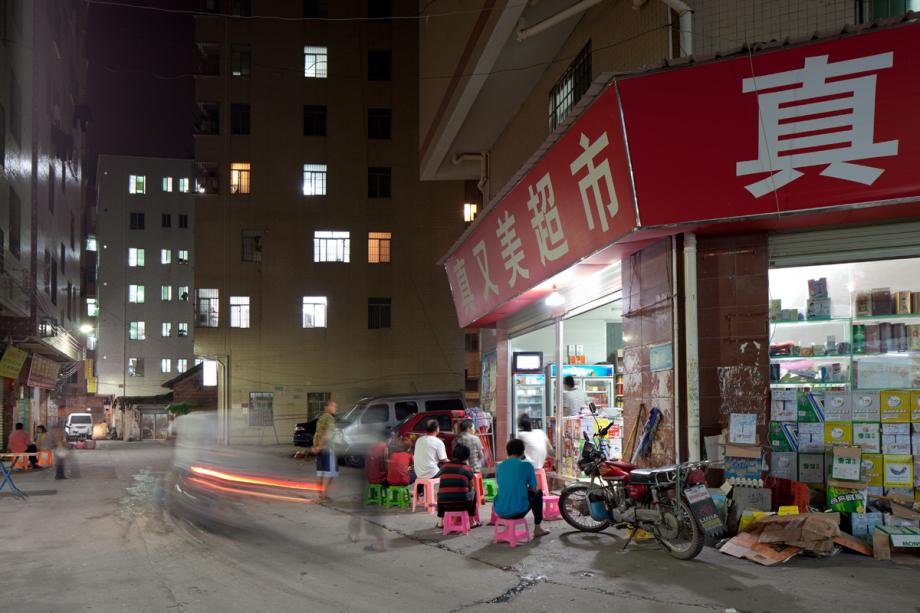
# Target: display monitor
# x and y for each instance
(528, 361)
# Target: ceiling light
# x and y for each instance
(555, 299)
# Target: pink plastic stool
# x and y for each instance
(551, 507)
(493, 517)
(430, 500)
(456, 521)
(541, 481)
(480, 491)
(507, 531)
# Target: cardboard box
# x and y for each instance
(917, 474)
(873, 338)
(899, 471)
(817, 288)
(862, 524)
(811, 467)
(915, 443)
(846, 463)
(776, 309)
(818, 308)
(865, 406)
(913, 333)
(895, 406)
(896, 439)
(902, 536)
(784, 465)
(846, 500)
(743, 468)
(748, 499)
(915, 405)
(742, 429)
(902, 302)
(784, 436)
(783, 405)
(863, 304)
(838, 433)
(873, 469)
(837, 406)
(810, 407)
(868, 435)
(890, 520)
(811, 437)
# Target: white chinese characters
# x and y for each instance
(467, 299)
(482, 259)
(595, 179)
(512, 253)
(545, 220)
(817, 118)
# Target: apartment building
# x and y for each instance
(315, 242)
(145, 247)
(42, 140)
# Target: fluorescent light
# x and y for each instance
(555, 299)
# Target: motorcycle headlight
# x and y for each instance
(299, 429)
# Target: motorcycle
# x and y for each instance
(667, 501)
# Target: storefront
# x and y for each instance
(687, 220)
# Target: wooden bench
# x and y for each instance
(20, 459)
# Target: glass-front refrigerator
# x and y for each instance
(528, 392)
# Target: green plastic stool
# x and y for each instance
(374, 494)
(398, 496)
(490, 488)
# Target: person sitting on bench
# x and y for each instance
(517, 488)
(20, 443)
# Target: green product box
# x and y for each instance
(810, 407)
(783, 436)
(846, 500)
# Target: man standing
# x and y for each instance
(517, 488)
(470, 440)
(327, 467)
(429, 452)
(20, 443)
(573, 399)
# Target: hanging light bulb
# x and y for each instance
(555, 299)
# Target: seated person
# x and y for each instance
(399, 470)
(20, 442)
(536, 443)
(456, 491)
(375, 464)
(517, 488)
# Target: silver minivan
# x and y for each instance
(79, 425)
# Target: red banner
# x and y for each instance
(820, 125)
(575, 201)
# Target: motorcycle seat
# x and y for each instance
(645, 476)
(623, 465)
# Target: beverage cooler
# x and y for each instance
(528, 393)
(595, 381)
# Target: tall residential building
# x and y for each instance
(316, 243)
(42, 123)
(145, 241)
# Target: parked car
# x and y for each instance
(79, 425)
(414, 426)
(374, 418)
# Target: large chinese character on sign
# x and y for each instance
(596, 186)
(545, 220)
(512, 251)
(814, 116)
(467, 299)
(479, 252)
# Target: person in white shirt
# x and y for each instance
(536, 443)
(429, 452)
(572, 399)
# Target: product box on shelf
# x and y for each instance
(885, 338)
(783, 405)
(915, 302)
(902, 302)
(811, 468)
(895, 406)
(863, 304)
(865, 406)
(862, 524)
(784, 436)
(810, 407)
(811, 437)
(899, 471)
(913, 336)
(899, 338)
(881, 301)
(817, 288)
(846, 500)
(838, 433)
(837, 406)
(896, 439)
(917, 472)
(776, 309)
(742, 428)
(915, 443)
(867, 434)
(784, 465)
(873, 469)
(818, 308)
(915, 406)
(873, 338)
(846, 463)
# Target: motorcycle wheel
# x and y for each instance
(683, 539)
(573, 504)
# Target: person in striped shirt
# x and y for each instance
(455, 491)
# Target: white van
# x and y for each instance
(79, 425)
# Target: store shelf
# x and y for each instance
(889, 354)
(800, 322)
(799, 358)
(801, 384)
(884, 317)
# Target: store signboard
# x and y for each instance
(43, 372)
(576, 200)
(819, 125)
(12, 361)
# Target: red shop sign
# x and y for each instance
(573, 202)
(822, 125)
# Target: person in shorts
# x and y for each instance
(327, 467)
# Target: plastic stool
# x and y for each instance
(45, 457)
(493, 517)
(429, 498)
(21, 461)
(541, 481)
(398, 496)
(551, 507)
(507, 531)
(480, 492)
(374, 494)
(456, 521)
(490, 486)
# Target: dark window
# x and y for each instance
(316, 402)
(47, 272)
(252, 246)
(314, 120)
(2, 134)
(54, 279)
(137, 221)
(378, 123)
(208, 118)
(73, 236)
(15, 110)
(379, 10)
(241, 8)
(166, 220)
(239, 119)
(445, 404)
(376, 414)
(212, 6)
(570, 87)
(315, 8)
(63, 259)
(261, 409)
(472, 342)
(378, 65)
(183, 221)
(378, 182)
(442, 419)
(240, 59)
(2, 256)
(51, 186)
(15, 223)
(69, 297)
(208, 59)
(472, 385)
(870, 10)
(378, 313)
(405, 409)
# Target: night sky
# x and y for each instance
(140, 87)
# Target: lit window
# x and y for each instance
(165, 365)
(183, 185)
(165, 329)
(181, 365)
(91, 342)
(166, 293)
(136, 331)
(378, 247)
(207, 308)
(183, 256)
(239, 311)
(137, 184)
(167, 184)
(181, 330)
(330, 246)
(135, 257)
(239, 178)
(135, 367)
(92, 307)
(165, 256)
(91, 244)
(469, 212)
(314, 62)
(314, 311)
(136, 294)
(314, 179)
(182, 292)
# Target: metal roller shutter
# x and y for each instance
(847, 244)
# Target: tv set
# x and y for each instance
(527, 361)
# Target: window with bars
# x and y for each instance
(183, 220)
(379, 65)
(239, 119)
(136, 294)
(207, 308)
(181, 365)
(239, 177)
(240, 59)
(182, 330)
(184, 185)
(314, 120)
(182, 292)
(378, 247)
(166, 220)
(570, 87)
(135, 367)
(251, 249)
(314, 179)
(166, 329)
(316, 403)
(469, 212)
(378, 313)
(379, 182)
(136, 221)
(137, 184)
(165, 256)
(166, 293)
(135, 257)
(136, 331)
(239, 311)
(167, 184)
(379, 123)
(92, 307)
(166, 365)
(314, 311)
(261, 411)
(315, 62)
(331, 246)
(183, 256)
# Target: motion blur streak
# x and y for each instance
(293, 485)
(233, 490)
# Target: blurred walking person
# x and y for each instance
(327, 467)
